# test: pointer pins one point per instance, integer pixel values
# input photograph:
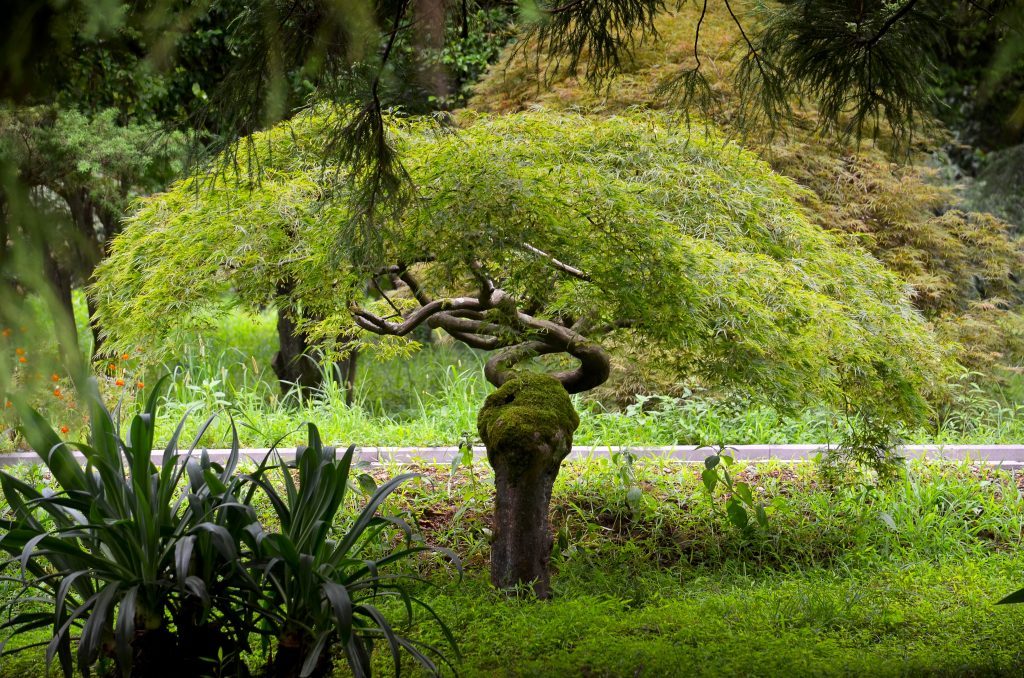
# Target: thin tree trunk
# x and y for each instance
(297, 363)
(111, 222)
(345, 373)
(293, 364)
(67, 330)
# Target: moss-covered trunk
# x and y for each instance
(527, 426)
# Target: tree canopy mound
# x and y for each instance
(621, 234)
(960, 264)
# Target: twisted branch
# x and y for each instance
(523, 338)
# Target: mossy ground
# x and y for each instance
(900, 621)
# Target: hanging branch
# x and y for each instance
(890, 23)
(563, 267)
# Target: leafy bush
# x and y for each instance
(142, 561)
(167, 570)
(741, 508)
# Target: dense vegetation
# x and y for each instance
(706, 223)
(650, 576)
(961, 264)
(694, 252)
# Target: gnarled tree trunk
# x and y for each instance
(527, 426)
(528, 423)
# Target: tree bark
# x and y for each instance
(345, 372)
(111, 222)
(297, 362)
(293, 364)
(527, 426)
(67, 331)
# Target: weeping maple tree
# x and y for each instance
(554, 242)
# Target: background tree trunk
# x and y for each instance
(345, 373)
(527, 426)
(67, 331)
(294, 364)
(297, 363)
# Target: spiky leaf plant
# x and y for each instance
(321, 581)
(142, 561)
(165, 570)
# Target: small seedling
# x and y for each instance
(740, 507)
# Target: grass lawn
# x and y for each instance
(846, 579)
(892, 619)
(896, 581)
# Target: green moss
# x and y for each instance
(529, 407)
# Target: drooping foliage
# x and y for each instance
(960, 264)
(682, 251)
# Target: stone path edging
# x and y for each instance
(1005, 455)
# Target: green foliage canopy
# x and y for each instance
(683, 251)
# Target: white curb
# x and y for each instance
(1005, 455)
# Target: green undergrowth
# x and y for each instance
(432, 397)
(846, 579)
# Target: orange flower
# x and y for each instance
(125, 356)
(54, 378)
(64, 429)
(111, 367)
(22, 359)
(8, 403)
(57, 392)
(19, 351)
(140, 384)
(7, 331)
(119, 382)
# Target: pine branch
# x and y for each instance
(890, 23)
